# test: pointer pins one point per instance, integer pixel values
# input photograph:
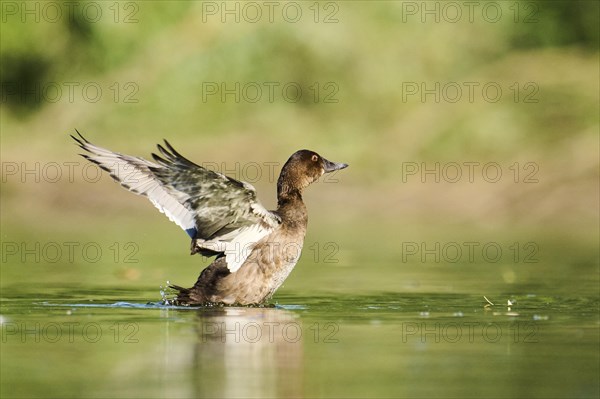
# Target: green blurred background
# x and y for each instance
(386, 87)
(355, 62)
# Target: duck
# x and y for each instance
(254, 249)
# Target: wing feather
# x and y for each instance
(221, 214)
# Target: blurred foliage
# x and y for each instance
(21, 74)
(161, 55)
(559, 23)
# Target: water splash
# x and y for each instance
(168, 294)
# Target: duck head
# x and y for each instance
(303, 168)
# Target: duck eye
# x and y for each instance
(315, 158)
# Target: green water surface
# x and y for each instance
(70, 342)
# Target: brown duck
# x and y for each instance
(255, 249)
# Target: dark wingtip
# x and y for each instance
(81, 141)
(172, 155)
(170, 147)
(168, 157)
(80, 135)
(78, 141)
(159, 159)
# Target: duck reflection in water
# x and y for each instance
(248, 352)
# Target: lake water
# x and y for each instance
(67, 341)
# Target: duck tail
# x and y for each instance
(182, 297)
(180, 289)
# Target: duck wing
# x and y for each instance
(222, 215)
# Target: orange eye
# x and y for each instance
(315, 158)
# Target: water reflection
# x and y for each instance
(248, 352)
(378, 345)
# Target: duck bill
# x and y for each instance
(333, 166)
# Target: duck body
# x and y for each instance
(266, 268)
(255, 249)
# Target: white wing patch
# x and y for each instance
(237, 245)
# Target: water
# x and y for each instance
(65, 341)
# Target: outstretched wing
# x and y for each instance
(221, 214)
